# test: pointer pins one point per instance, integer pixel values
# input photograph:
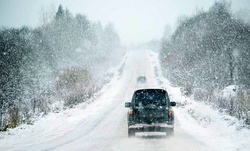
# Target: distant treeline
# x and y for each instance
(208, 52)
(63, 60)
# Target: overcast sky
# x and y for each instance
(135, 20)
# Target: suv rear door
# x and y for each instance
(150, 106)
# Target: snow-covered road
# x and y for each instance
(102, 125)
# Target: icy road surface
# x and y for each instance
(101, 125)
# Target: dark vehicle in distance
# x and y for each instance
(141, 79)
(150, 110)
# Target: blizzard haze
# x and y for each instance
(136, 21)
(68, 67)
(101, 125)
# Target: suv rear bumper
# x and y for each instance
(151, 127)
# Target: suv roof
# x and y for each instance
(151, 89)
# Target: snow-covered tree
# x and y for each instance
(209, 51)
(56, 60)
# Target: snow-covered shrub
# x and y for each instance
(187, 89)
(73, 78)
(74, 85)
(232, 100)
(200, 94)
(14, 118)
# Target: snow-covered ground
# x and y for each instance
(101, 124)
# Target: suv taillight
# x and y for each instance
(170, 112)
(130, 111)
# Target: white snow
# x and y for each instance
(101, 124)
(230, 91)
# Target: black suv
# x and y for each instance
(150, 110)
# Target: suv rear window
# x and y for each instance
(150, 96)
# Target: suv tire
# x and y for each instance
(131, 133)
(170, 131)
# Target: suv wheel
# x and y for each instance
(131, 133)
(170, 131)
